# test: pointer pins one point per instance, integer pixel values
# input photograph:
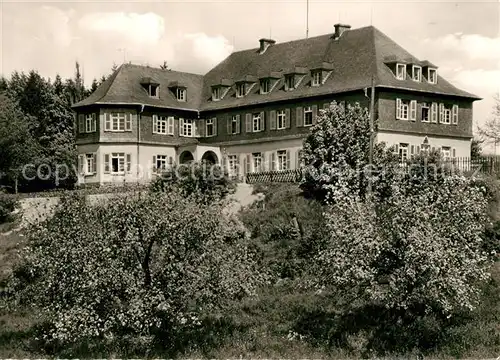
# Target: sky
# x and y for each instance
(461, 38)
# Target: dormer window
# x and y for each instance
(181, 94)
(432, 76)
(317, 78)
(216, 93)
(265, 86)
(153, 90)
(289, 82)
(151, 86)
(401, 71)
(417, 73)
(240, 90)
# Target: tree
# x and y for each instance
(336, 150)
(143, 265)
(476, 148)
(94, 86)
(490, 132)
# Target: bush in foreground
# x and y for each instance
(145, 267)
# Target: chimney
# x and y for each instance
(340, 29)
(264, 44)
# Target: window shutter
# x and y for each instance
(413, 110)
(272, 120)
(198, 125)
(202, 131)
(245, 165)
(398, 109)
(315, 113)
(94, 126)
(176, 128)
(94, 163)
(128, 122)
(454, 112)
(249, 163)
(170, 125)
(453, 152)
(107, 121)
(238, 123)
(229, 125)
(101, 120)
(106, 163)
(215, 126)
(412, 150)
(418, 149)
(434, 112)
(297, 159)
(287, 118)
(171, 161)
(155, 124)
(262, 121)
(441, 113)
(248, 123)
(397, 149)
(129, 162)
(288, 160)
(181, 127)
(81, 161)
(154, 164)
(273, 161)
(81, 123)
(300, 116)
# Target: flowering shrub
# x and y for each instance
(139, 266)
(207, 181)
(7, 206)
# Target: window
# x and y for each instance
(316, 78)
(153, 90)
(402, 109)
(308, 116)
(446, 151)
(216, 93)
(403, 153)
(161, 125)
(181, 94)
(446, 112)
(90, 123)
(257, 162)
(281, 121)
(289, 82)
(186, 127)
(117, 163)
(89, 164)
(401, 71)
(425, 115)
(264, 86)
(233, 165)
(210, 127)
(434, 112)
(117, 121)
(240, 89)
(432, 76)
(256, 122)
(235, 124)
(417, 73)
(282, 160)
(160, 163)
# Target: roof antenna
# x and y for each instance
(307, 19)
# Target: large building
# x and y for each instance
(252, 111)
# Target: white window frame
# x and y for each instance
(240, 90)
(316, 78)
(403, 109)
(181, 94)
(232, 165)
(234, 124)
(88, 168)
(289, 82)
(418, 73)
(403, 74)
(116, 118)
(210, 122)
(432, 79)
(186, 127)
(150, 91)
(161, 125)
(90, 123)
(257, 163)
(281, 119)
(163, 161)
(281, 160)
(256, 122)
(265, 86)
(121, 164)
(446, 152)
(403, 152)
(428, 107)
(447, 114)
(308, 110)
(216, 93)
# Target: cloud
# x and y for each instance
(486, 81)
(210, 49)
(473, 46)
(140, 28)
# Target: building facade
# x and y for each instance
(252, 111)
